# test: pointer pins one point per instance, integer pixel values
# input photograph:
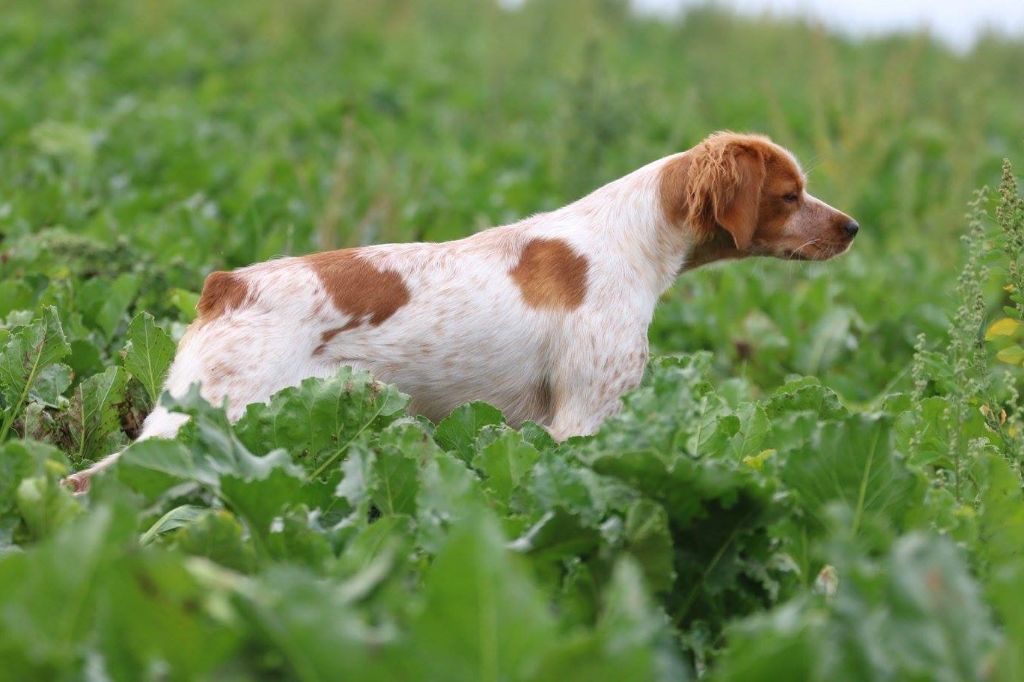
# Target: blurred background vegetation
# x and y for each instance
(171, 137)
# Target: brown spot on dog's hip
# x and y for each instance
(222, 291)
(550, 275)
(358, 288)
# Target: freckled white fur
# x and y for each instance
(466, 333)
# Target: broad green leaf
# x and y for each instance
(317, 420)
(185, 303)
(151, 467)
(104, 303)
(506, 461)
(449, 490)
(94, 414)
(25, 357)
(45, 505)
(630, 642)
(915, 615)
(401, 451)
(23, 459)
(260, 500)
(51, 384)
(14, 295)
(1000, 548)
(176, 518)
(148, 354)
(458, 431)
(84, 359)
(649, 541)
(39, 634)
(154, 612)
(482, 619)
(821, 345)
(852, 462)
(313, 630)
(218, 536)
(557, 535)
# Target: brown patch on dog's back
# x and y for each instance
(358, 288)
(550, 275)
(222, 291)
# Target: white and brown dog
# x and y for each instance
(546, 319)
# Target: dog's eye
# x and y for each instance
(791, 198)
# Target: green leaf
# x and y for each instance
(317, 420)
(649, 541)
(23, 459)
(50, 385)
(259, 500)
(14, 295)
(85, 359)
(557, 535)
(185, 303)
(148, 354)
(402, 449)
(458, 431)
(631, 640)
(27, 354)
(310, 626)
(45, 505)
(94, 412)
(506, 461)
(104, 303)
(218, 536)
(915, 615)
(176, 518)
(39, 634)
(852, 462)
(482, 620)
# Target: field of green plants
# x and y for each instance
(820, 478)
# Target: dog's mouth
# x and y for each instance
(816, 251)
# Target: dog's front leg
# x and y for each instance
(588, 387)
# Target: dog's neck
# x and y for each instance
(628, 216)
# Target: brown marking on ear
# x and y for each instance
(672, 188)
(222, 291)
(736, 204)
(717, 184)
(550, 275)
(358, 288)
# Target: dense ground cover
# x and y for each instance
(819, 479)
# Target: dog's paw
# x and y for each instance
(77, 483)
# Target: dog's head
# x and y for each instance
(744, 195)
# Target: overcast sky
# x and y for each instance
(956, 22)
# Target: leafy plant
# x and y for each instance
(819, 477)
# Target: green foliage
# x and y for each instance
(148, 354)
(27, 366)
(823, 483)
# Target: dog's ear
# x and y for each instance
(737, 199)
(723, 179)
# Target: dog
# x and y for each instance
(546, 319)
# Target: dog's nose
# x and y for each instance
(852, 228)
